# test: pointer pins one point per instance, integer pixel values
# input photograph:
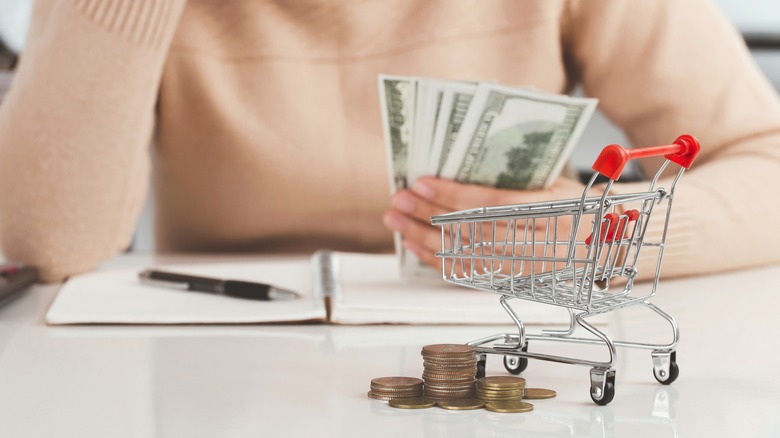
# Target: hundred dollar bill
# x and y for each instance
(429, 95)
(452, 111)
(515, 138)
(397, 99)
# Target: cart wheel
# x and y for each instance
(514, 364)
(674, 371)
(481, 366)
(608, 394)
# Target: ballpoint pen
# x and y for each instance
(230, 288)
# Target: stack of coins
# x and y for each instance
(449, 371)
(390, 388)
(500, 388)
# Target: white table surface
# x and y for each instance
(311, 380)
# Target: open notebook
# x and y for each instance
(341, 288)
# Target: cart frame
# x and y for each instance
(565, 269)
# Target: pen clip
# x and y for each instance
(146, 278)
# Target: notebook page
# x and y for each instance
(117, 297)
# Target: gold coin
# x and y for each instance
(462, 404)
(450, 359)
(397, 388)
(463, 356)
(488, 399)
(518, 389)
(467, 352)
(443, 373)
(501, 391)
(395, 382)
(488, 395)
(449, 379)
(445, 384)
(445, 360)
(403, 387)
(509, 407)
(447, 374)
(471, 370)
(397, 394)
(412, 403)
(447, 349)
(518, 394)
(539, 393)
(501, 382)
(449, 367)
(400, 389)
(466, 357)
(439, 392)
(375, 396)
(449, 391)
(438, 383)
(494, 398)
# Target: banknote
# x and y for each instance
(429, 97)
(452, 110)
(397, 98)
(477, 133)
(516, 138)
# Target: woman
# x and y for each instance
(266, 129)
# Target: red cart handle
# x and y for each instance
(613, 158)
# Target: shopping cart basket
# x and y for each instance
(580, 254)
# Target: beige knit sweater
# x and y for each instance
(265, 120)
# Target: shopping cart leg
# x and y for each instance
(516, 364)
(521, 341)
(602, 377)
(665, 367)
(602, 385)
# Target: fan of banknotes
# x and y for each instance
(477, 133)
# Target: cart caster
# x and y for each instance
(602, 386)
(514, 364)
(481, 359)
(665, 367)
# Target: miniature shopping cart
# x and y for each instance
(580, 254)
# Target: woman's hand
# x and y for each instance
(412, 209)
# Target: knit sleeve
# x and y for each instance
(75, 129)
(667, 67)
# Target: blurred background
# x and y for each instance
(757, 20)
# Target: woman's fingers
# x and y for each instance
(426, 255)
(410, 204)
(453, 196)
(412, 230)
